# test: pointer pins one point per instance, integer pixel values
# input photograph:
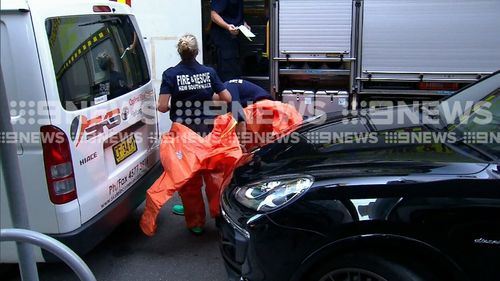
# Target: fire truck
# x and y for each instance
(340, 52)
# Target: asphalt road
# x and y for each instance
(173, 254)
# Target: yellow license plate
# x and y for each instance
(124, 149)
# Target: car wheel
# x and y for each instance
(363, 267)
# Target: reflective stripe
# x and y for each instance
(93, 39)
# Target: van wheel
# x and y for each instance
(363, 267)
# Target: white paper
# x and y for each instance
(248, 34)
(100, 99)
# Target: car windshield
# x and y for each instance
(473, 115)
(452, 109)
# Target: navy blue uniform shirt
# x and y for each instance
(229, 10)
(190, 84)
(244, 93)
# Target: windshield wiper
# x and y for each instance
(124, 52)
(112, 19)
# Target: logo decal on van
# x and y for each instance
(91, 128)
(136, 99)
(125, 113)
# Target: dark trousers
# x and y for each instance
(228, 54)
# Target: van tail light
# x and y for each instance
(58, 165)
(101, 9)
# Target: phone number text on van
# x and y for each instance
(124, 182)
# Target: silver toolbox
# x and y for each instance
(330, 101)
(302, 100)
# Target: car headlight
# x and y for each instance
(272, 193)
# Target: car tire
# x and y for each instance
(364, 266)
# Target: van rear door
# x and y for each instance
(103, 100)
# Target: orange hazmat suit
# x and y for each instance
(187, 157)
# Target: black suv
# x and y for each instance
(395, 194)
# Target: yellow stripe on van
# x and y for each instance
(83, 49)
(490, 98)
(54, 30)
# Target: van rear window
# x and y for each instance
(96, 58)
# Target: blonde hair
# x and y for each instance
(187, 47)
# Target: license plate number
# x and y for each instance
(124, 149)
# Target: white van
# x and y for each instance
(82, 106)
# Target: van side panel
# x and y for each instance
(25, 92)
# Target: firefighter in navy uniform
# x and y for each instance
(244, 93)
(227, 15)
(187, 86)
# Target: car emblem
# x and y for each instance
(486, 241)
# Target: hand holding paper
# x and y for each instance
(248, 34)
(233, 29)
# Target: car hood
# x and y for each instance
(362, 159)
(323, 168)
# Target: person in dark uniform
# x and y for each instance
(187, 86)
(227, 16)
(244, 93)
(117, 84)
